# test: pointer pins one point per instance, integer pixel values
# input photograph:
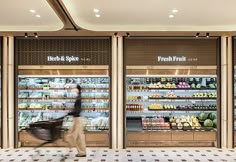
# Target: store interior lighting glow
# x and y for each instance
(95, 10)
(197, 35)
(32, 11)
(175, 11)
(171, 16)
(37, 16)
(26, 35)
(207, 35)
(97, 15)
(35, 35)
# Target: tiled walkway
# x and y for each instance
(128, 155)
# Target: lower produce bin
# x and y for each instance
(93, 139)
(171, 138)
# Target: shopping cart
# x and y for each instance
(48, 131)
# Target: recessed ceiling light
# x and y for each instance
(95, 10)
(37, 16)
(32, 11)
(175, 11)
(97, 15)
(35, 35)
(171, 16)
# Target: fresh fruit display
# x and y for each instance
(189, 101)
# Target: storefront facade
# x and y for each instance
(137, 91)
(171, 92)
(46, 72)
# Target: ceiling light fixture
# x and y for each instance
(127, 34)
(35, 35)
(97, 15)
(95, 10)
(32, 11)
(197, 35)
(37, 16)
(175, 11)
(207, 35)
(115, 34)
(171, 16)
(26, 35)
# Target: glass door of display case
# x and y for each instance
(178, 109)
(46, 97)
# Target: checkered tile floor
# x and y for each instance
(128, 155)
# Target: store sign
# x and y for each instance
(63, 59)
(153, 51)
(174, 59)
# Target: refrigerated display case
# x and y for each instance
(48, 97)
(171, 110)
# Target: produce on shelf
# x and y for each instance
(134, 107)
(212, 85)
(208, 123)
(22, 105)
(155, 106)
(137, 87)
(205, 95)
(170, 85)
(211, 115)
(202, 116)
(132, 98)
(35, 95)
(166, 107)
(23, 95)
(185, 122)
(100, 123)
(156, 85)
(183, 85)
(49, 98)
(170, 95)
(154, 123)
(157, 95)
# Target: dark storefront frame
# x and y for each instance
(109, 61)
(1, 115)
(218, 74)
(233, 93)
